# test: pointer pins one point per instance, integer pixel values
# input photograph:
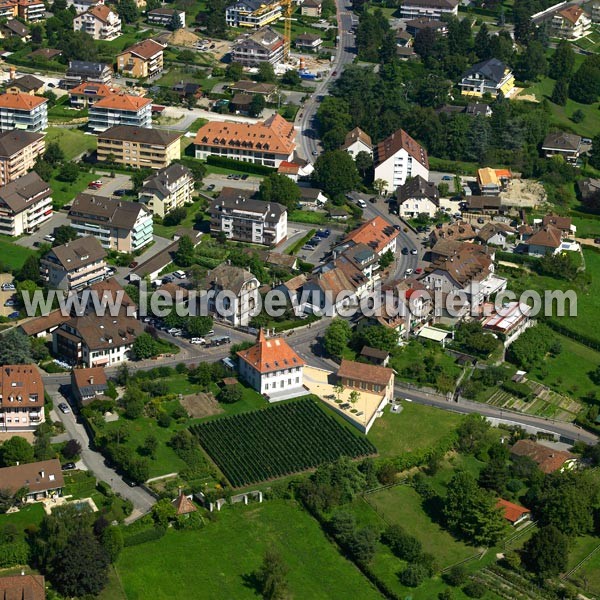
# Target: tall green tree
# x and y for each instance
(563, 61)
(15, 348)
(336, 337)
(16, 450)
(335, 173)
(128, 11)
(546, 553)
(266, 73)
(184, 256)
(560, 93)
(279, 188)
(272, 576)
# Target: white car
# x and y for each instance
(197, 341)
(408, 272)
(49, 238)
(361, 203)
(180, 274)
(414, 252)
(173, 331)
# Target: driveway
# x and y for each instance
(57, 219)
(181, 119)
(220, 181)
(111, 184)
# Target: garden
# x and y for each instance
(277, 441)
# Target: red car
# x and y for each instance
(418, 271)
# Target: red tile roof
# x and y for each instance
(22, 587)
(547, 459)
(145, 49)
(21, 101)
(183, 505)
(512, 512)
(397, 141)
(21, 386)
(269, 355)
(365, 372)
(123, 102)
(376, 233)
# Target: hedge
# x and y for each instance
(239, 165)
(297, 245)
(418, 458)
(520, 390)
(147, 535)
(582, 338)
(520, 259)
(14, 553)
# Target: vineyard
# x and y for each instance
(277, 441)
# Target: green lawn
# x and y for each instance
(31, 514)
(188, 222)
(414, 428)
(220, 559)
(73, 142)
(64, 193)
(588, 576)
(12, 256)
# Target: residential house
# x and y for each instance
(167, 17)
(490, 76)
(496, 234)
(139, 146)
(357, 141)
(8, 9)
(168, 189)
(241, 104)
(86, 94)
(311, 198)
(31, 10)
(486, 205)
(118, 225)
(547, 459)
(96, 341)
(19, 151)
(417, 196)
(142, 60)
(88, 385)
(90, 72)
(588, 188)
(311, 8)
(294, 170)
(253, 88)
(561, 143)
(363, 257)
(513, 513)
(367, 378)
(120, 109)
(264, 45)
(375, 356)
(478, 109)
(106, 292)
(40, 480)
(415, 26)
(21, 398)
(22, 111)
(460, 231)
(15, 29)
(492, 181)
(74, 265)
(333, 288)
(252, 13)
(27, 84)
(430, 9)
(510, 321)
(378, 234)
(45, 54)
(26, 587)
(309, 42)
(398, 158)
(272, 368)
(265, 143)
(100, 22)
(546, 240)
(571, 23)
(403, 39)
(25, 204)
(244, 219)
(187, 90)
(82, 6)
(565, 224)
(41, 327)
(233, 294)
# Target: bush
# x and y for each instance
(456, 576)
(413, 576)
(13, 554)
(164, 419)
(474, 589)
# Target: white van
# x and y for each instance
(179, 274)
(361, 203)
(228, 362)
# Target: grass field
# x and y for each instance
(12, 256)
(416, 427)
(64, 193)
(588, 576)
(32, 514)
(73, 142)
(218, 561)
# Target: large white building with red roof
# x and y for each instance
(120, 109)
(399, 157)
(272, 368)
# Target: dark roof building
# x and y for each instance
(22, 587)
(41, 479)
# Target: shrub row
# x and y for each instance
(141, 537)
(296, 246)
(582, 338)
(520, 390)
(14, 553)
(418, 458)
(238, 165)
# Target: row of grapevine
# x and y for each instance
(277, 441)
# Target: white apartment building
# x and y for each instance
(272, 368)
(21, 398)
(120, 109)
(25, 204)
(100, 22)
(399, 157)
(170, 188)
(431, 9)
(244, 219)
(252, 13)
(23, 111)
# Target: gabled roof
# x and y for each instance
(571, 13)
(160, 182)
(228, 277)
(374, 353)
(463, 267)
(266, 37)
(17, 194)
(444, 4)
(376, 233)
(489, 230)
(101, 12)
(106, 332)
(547, 459)
(273, 354)
(37, 325)
(460, 231)
(21, 385)
(142, 135)
(12, 142)
(491, 69)
(511, 512)
(16, 27)
(37, 476)
(22, 587)
(547, 237)
(417, 187)
(562, 223)
(307, 37)
(400, 140)
(252, 87)
(356, 134)
(561, 140)
(123, 102)
(145, 49)
(78, 253)
(118, 213)
(183, 505)
(88, 88)
(90, 381)
(21, 101)
(365, 372)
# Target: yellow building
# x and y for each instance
(252, 13)
(139, 146)
(144, 59)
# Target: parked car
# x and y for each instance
(245, 176)
(361, 203)
(481, 220)
(228, 362)
(49, 238)
(405, 251)
(64, 408)
(68, 466)
(121, 192)
(167, 279)
(180, 274)
(408, 272)
(11, 302)
(197, 340)
(447, 178)
(211, 187)
(373, 199)
(8, 287)
(230, 176)
(173, 330)
(14, 315)
(596, 240)
(414, 252)
(133, 265)
(418, 271)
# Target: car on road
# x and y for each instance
(361, 203)
(120, 192)
(314, 153)
(197, 340)
(211, 187)
(133, 265)
(14, 315)
(230, 176)
(418, 271)
(245, 176)
(334, 73)
(49, 238)
(447, 178)
(414, 252)
(64, 408)
(397, 227)
(408, 272)
(405, 251)
(211, 332)
(173, 330)
(129, 482)
(68, 466)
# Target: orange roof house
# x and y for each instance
(513, 513)
(123, 102)
(547, 459)
(269, 355)
(254, 142)
(21, 101)
(22, 587)
(144, 59)
(378, 234)
(183, 505)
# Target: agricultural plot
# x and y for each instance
(277, 441)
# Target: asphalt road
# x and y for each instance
(308, 145)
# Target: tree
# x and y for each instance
(69, 172)
(128, 11)
(335, 173)
(150, 445)
(37, 34)
(595, 153)
(15, 348)
(272, 576)
(71, 449)
(403, 545)
(81, 567)
(363, 543)
(54, 154)
(386, 259)
(563, 61)
(163, 512)
(198, 326)
(230, 394)
(414, 575)
(175, 216)
(336, 337)
(482, 43)
(532, 63)
(578, 116)
(43, 169)
(546, 553)
(138, 177)
(473, 432)
(144, 346)
(176, 22)
(234, 71)
(30, 271)
(266, 73)
(380, 186)
(560, 93)
(364, 163)
(257, 105)
(16, 450)
(112, 542)
(279, 188)
(184, 256)
(354, 396)
(64, 234)
(457, 575)
(584, 86)
(291, 77)
(378, 336)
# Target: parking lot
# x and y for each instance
(317, 254)
(111, 184)
(6, 296)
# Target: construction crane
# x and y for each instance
(288, 9)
